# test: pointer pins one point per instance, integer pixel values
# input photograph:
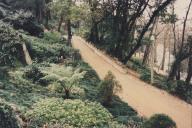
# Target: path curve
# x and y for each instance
(144, 98)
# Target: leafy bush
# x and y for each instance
(50, 48)
(124, 114)
(33, 73)
(53, 37)
(108, 88)
(24, 20)
(74, 113)
(183, 90)
(136, 65)
(159, 121)
(7, 117)
(67, 77)
(10, 46)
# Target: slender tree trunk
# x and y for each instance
(94, 35)
(60, 23)
(146, 27)
(169, 61)
(146, 54)
(148, 46)
(152, 63)
(155, 50)
(174, 69)
(67, 93)
(47, 18)
(69, 31)
(189, 75)
(178, 75)
(164, 53)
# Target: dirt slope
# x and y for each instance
(147, 100)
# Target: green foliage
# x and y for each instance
(68, 77)
(22, 19)
(136, 65)
(183, 90)
(10, 46)
(74, 113)
(69, 10)
(178, 88)
(108, 88)
(52, 37)
(22, 86)
(33, 73)
(7, 117)
(50, 48)
(159, 121)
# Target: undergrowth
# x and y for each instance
(177, 88)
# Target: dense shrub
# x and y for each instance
(67, 77)
(7, 117)
(108, 88)
(50, 48)
(159, 121)
(136, 65)
(10, 46)
(124, 113)
(33, 73)
(69, 112)
(53, 37)
(21, 19)
(183, 90)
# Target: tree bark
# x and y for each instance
(189, 75)
(146, 54)
(69, 31)
(60, 23)
(176, 64)
(146, 27)
(164, 52)
(67, 93)
(175, 70)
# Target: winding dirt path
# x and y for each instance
(144, 98)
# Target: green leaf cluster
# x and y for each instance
(76, 113)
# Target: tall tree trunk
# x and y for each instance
(94, 35)
(164, 53)
(178, 74)
(189, 75)
(146, 27)
(148, 46)
(184, 25)
(47, 18)
(67, 93)
(176, 65)
(175, 71)
(146, 54)
(69, 31)
(155, 50)
(60, 23)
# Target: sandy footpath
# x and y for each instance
(144, 98)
